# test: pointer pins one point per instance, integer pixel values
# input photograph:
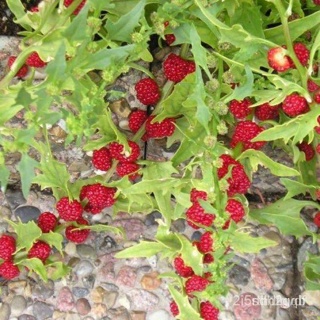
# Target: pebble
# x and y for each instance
(119, 314)
(26, 317)
(15, 198)
(142, 299)
(106, 244)
(86, 251)
(110, 298)
(123, 301)
(17, 287)
(99, 310)
(138, 315)
(151, 218)
(27, 213)
(306, 247)
(80, 292)
(18, 304)
(196, 236)
(5, 311)
(179, 225)
(42, 310)
(260, 276)
(109, 286)
(134, 228)
(83, 306)
(83, 268)
(312, 297)
(89, 281)
(159, 314)
(65, 301)
(97, 294)
(43, 290)
(151, 281)
(239, 275)
(126, 276)
(244, 309)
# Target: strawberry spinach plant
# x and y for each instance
(239, 75)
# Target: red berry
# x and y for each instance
(137, 119)
(47, 222)
(128, 169)
(318, 150)
(118, 152)
(170, 38)
(35, 61)
(317, 128)
(77, 236)
(22, 71)
(317, 97)
(7, 246)
(174, 308)
(34, 9)
(205, 244)
(176, 69)
(278, 60)
(312, 86)
(195, 195)
(316, 219)
(266, 112)
(302, 53)
(68, 3)
(101, 159)
(244, 132)
(208, 311)
(40, 250)
(239, 181)
(208, 258)
(8, 270)
(196, 283)
(307, 149)
(196, 214)
(294, 105)
(316, 2)
(235, 209)
(69, 210)
(161, 129)
(181, 269)
(240, 108)
(98, 196)
(148, 91)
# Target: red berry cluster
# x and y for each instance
(68, 3)
(102, 159)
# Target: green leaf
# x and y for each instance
(27, 234)
(18, 9)
(53, 239)
(60, 270)
(295, 187)
(4, 177)
(256, 158)
(36, 265)
(143, 249)
(8, 106)
(26, 169)
(311, 271)
(285, 215)
(187, 312)
(122, 29)
(244, 243)
(56, 69)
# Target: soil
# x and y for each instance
(7, 25)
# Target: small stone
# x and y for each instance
(153, 260)
(86, 251)
(27, 213)
(43, 290)
(42, 310)
(80, 292)
(151, 218)
(179, 225)
(18, 304)
(110, 298)
(83, 268)
(196, 236)
(99, 310)
(126, 276)
(159, 314)
(83, 306)
(124, 301)
(312, 297)
(70, 249)
(260, 276)
(278, 279)
(306, 247)
(151, 281)
(89, 281)
(142, 299)
(15, 198)
(106, 244)
(120, 107)
(245, 309)
(97, 294)
(239, 275)
(134, 228)
(17, 287)
(241, 261)
(109, 286)
(282, 315)
(73, 262)
(65, 301)
(26, 317)
(145, 269)
(138, 315)
(5, 311)
(119, 314)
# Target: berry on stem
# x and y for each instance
(208, 311)
(22, 72)
(196, 214)
(294, 105)
(195, 195)
(196, 283)
(240, 108)
(182, 269)
(316, 219)
(162, 129)
(101, 159)
(307, 149)
(266, 112)
(68, 3)
(174, 308)
(69, 210)
(8, 270)
(278, 60)
(40, 250)
(136, 120)
(77, 236)
(205, 244)
(117, 151)
(35, 61)
(7, 246)
(47, 222)
(148, 92)
(235, 209)
(128, 169)
(176, 69)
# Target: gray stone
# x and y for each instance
(239, 275)
(142, 299)
(119, 314)
(151, 218)
(15, 198)
(80, 292)
(42, 310)
(5, 311)
(18, 304)
(279, 279)
(27, 213)
(106, 243)
(83, 268)
(241, 261)
(133, 227)
(306, 247)
(282, 315)
(159, 314)
(43, 290)
(89, 281)
(110, 298)
(26, 317)
(65, 301)
(109, 286)
(196, 236)
(179, 225)
(86, 251)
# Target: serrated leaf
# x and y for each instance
(58, 270)
(36, 265)
(53, 239)
(187, 312)
(26, 169)
(244, 243)
(27, 234)
(256, 158)
(311, 271)
(143, 249)
(285, 215)
(4, 177)
(295, 187)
